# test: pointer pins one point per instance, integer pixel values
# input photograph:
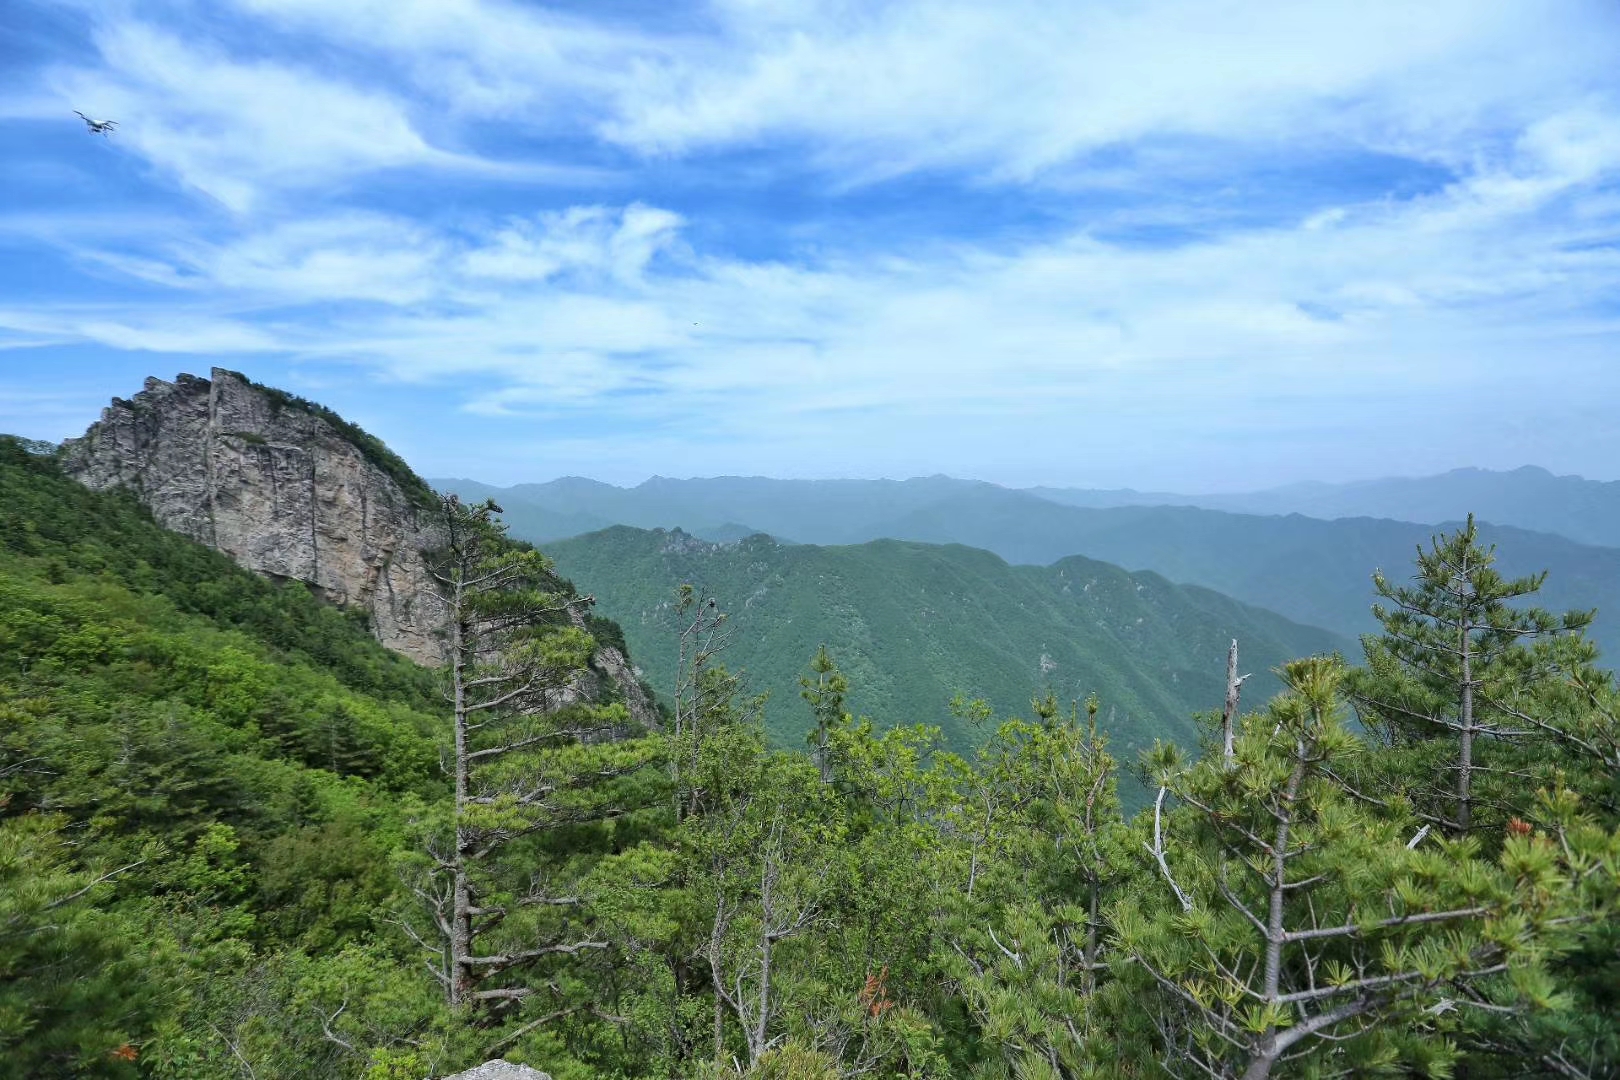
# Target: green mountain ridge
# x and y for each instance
(1311, 570)
(915, 624)
(225, 811)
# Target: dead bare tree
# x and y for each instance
(742, 979)
(1229, 710)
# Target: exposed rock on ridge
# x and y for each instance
(615, 666)
(276, 488)
(286, 492)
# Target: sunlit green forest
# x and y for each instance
(915, 625)
(238, 838)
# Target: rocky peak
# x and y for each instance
(291, 490)
(277, 487)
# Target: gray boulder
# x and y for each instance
(500, 1070)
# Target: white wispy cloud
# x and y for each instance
(228, 126)
(967, 342)
(238, 129)
(130, 328)
(345, 257)
(1009, 89)
(1325, 303)
(1011, 92)
(522, 63)
(582, 239)
(582, 301)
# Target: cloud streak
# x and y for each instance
(1230, 257)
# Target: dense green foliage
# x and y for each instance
(205, 776)
(1457, 672)
(223, 849)
(1313, 927)
(915, 625)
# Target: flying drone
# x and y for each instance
(97, 127)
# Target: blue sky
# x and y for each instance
(1183, 246)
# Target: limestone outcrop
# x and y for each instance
(290, 490)
(276, 487)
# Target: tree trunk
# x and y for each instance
(1465, 750)
(1091, 937)
(1260, 1065)
(756, 1043)
(823, 766)
(461, 972)
(680, 730)
(1229, 711)
(719, 1025)
(1267, 1052)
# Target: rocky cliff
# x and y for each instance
(277, 488)
(290, 490)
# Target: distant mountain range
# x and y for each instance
(804, 511)
(1586, 511)
(914, 624)
(1309, 570)
(1529, 497)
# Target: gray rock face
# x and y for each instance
(500, 1070)
(277, 488)
(284, 492)
(615, 666)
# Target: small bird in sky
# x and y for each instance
(97, 127)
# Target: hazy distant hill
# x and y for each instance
(1530, 498)
(1310, 570)
(913, 624)
(812, 511)
(1587, 511)
(1313, 571)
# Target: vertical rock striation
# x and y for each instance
(276, 487)
(293, 492)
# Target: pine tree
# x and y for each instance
(1028, 932)
(532, 761)
(825, 694)
(1495, 716)
(1325, 932)
(1454, 652)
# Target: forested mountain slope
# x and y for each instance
(916, 624)
(248, 752)
(1317, 572)
(227, 832)
(212, 785)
